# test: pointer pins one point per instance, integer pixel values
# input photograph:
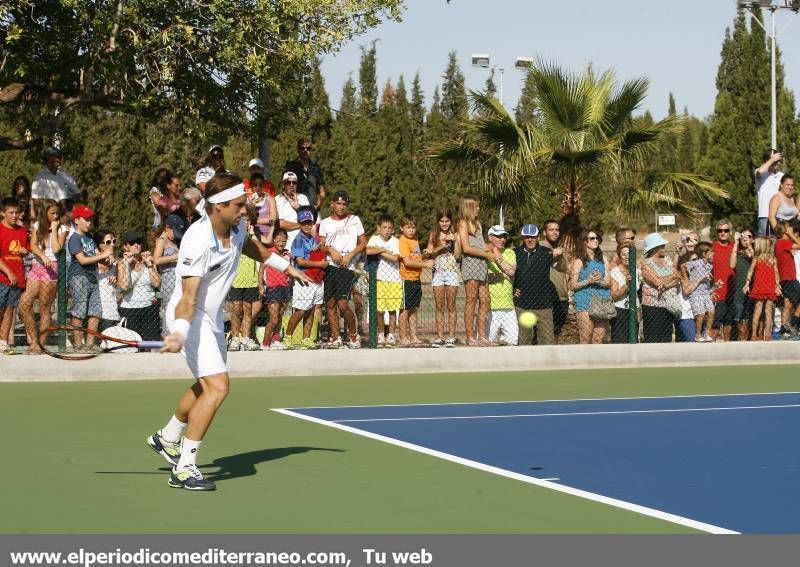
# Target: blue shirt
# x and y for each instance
(76, 244)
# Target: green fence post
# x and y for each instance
(372, 308)
(633, 312)
(61, 315)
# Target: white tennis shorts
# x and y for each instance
(205, 349)
(304, 297)
(503, 326)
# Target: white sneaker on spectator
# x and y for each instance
(381, 340)
(277, 345)
(354, 342)
(248, 343)
(235, 344)
(391, 341)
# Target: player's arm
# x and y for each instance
(184, 313)
(258, 252)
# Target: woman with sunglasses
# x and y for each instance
(110, 280)
(139, 304)
(589, 277)
(661, 280)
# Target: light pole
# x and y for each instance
(794, 6)
(483, 60)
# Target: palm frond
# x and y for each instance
(678, 193)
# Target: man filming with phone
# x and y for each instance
(768, 180)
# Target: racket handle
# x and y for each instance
(150, 344)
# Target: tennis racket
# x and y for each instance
(60, 341)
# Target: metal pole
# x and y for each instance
(501, 85)
(774, 87)
(633, 311)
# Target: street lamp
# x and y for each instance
(484, 61)
(793, 5)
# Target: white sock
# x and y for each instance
(173, 431)
(189, 450)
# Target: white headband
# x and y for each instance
(228, 194)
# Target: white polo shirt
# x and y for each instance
(767, 186)
(342, 235)
(288, 213)
(56, 186)
(202, 255)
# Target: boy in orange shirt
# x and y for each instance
(13, 247)
(411, 264)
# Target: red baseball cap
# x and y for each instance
(82, 212)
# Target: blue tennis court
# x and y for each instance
(727, 463)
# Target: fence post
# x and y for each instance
(633, 310)
(61, 314)
(372, 308)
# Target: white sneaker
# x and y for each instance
(235, 344)
(390, 340)
(354, 342)
(248, 344)
(381, 340)
(277, 345)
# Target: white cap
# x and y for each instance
(290, 176)
(203, 175)
(257, 162)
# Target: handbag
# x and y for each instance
(120, 331)
(673, 302)
(601, 308)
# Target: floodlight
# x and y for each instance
(480, 59)
(527, 62)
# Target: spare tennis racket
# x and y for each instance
(66, 342)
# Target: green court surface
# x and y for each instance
(75, 460)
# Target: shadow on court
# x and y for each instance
(240, 465)
(244, 464)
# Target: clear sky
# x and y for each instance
(674, 43)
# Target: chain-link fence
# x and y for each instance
(651, 292)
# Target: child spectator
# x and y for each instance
(445, 249)
(82, 279)
(411, 264)
(503, 326)
(48, 237)
(390, 287)
(245, 298)
(277, 293)
(700, 271)
(686, 324)
(788, 241)
(342, 235)
(763, 287)
(309, 256)
(13, 247)
(265, 207)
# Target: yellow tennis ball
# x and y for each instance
(528, 319)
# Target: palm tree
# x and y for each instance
(582, 136)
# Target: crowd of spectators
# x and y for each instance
(576, 289)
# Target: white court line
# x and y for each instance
(550, 401)
(561, 414)
(680, 520)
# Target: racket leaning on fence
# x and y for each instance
(57, 341)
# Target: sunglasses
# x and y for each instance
(217, 154)
(134, 243)
(592, 238)
(723, 230)
(290, 182)
(306, 148)
(112, 241)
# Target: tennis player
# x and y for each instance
(207, 261)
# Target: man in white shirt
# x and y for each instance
(207, 263)
(341, 235)
(53, 182)
(215, 162)
(287, 204)
(768, 181)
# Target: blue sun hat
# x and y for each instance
(653, 241)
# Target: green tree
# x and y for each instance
(205, 61)
(738, 132)
(454, 106)
(587, 140)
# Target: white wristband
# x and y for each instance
(181, 327)
(277, 263)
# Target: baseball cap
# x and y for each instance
(257, 162)
(290, 176)
(132, 236)
(498, 230)
(82, 212)
(530, 230)
(341, 195)
(305, 216)
(51, 152)
(215, 147)
(176, 224)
